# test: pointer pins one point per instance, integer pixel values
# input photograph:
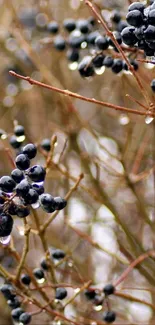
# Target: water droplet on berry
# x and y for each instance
(83, 45)
(73, 66)
(100, 71)
(41, 281)
(70, 264)
(3, 136)
(148, 119)
(21, 138)
(5, 240)
(124, 119)
(98, 308)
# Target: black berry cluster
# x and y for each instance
(24, 188)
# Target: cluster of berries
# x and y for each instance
(141, 32)
(109, 316)
(24, 188)
(9, 292)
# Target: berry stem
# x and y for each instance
(25, 251)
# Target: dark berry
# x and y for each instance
(151, 17)
(22, 162)
(153, 85)
(60, 293)
(16, 313)
(2, 133)
(58, 254)
(25, 279)
(109, 289)
(25, 318)
(22, 211)
(149, 33)
(75, 42)
(102, 42)
(39, 188)
(118, 38)
(7, 184)
(139, 32)
(7, 291)
(128, 36)
(37, 173)
(135, 65)
(69, 24)
(14, 303)
(6, 224)
(134, 18)
(117, 66)
(85, 67)
(38, 273)
(108, 61)
(98, 61)
(121, 25)
(60, 203)
(19, 130)
(83, 25)
(46, 144)
(90, 294)
(3, 197)
(151, 45)
(30, 150)
(14, 142)
(73, 55)
(11, 209)
(31, 197)
(136, 6)
(44, 265)
(91, 37)
(53, 27)
(109, 316)
(59, 43)
(92, 21)
(148, 51)
(116, 17)
(47, 202)
(23, 188)
(17, 175)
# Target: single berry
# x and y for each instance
(151, 17)
(153, 85)
(14, 303)
(11, 209)
(14, 142)
(85, 67)
(6, 224)
(53, 27)
(30, 150)
(37, 173)
(23, 188)
(47, 202)
(25, 279)
(118, 38)
(109, 316)
(22, 211)
(116, 17)
(91, 37)
(46, 144)
(98, 61)
(90, 294)
(108, 61)
(134, 18)
(60, 293)
(149, 33)
(121, 25)
(38, 273)
(92, 21)
(69, 24)
(117, 66)
(8, 291)
(73, 55)
(128, 36)
(44, 265)
(83, 25)
(31, 197)
(109, 289)
(136, 6)
(39, 188)
(7, 184)
(25, 318)
(139, 32)
(17, 175)
(16, 313)
(19, 130)
(58, 254)
(102, 42)
(22, 161)
(59, 43)
(135, 65)
(60, 203)
(76, 41)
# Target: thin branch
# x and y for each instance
(25, 251)
(75, 95)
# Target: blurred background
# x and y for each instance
(114, 204)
